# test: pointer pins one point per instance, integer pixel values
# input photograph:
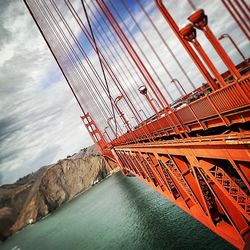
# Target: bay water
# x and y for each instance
(118, 213)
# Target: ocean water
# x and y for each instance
(119, 213)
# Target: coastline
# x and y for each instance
(36, 196)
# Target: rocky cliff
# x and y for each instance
(34, 196)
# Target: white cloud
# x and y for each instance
(40, 118)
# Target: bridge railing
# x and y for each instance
(228, 100)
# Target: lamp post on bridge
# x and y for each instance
(108, 121)
(136, 123)
(234, 44)
(199, 20)
(143, 90)
(105, 132)
(121, 114)
(155, 101)
(141, 110)
(177, 83)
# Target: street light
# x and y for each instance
(155, 101)
(105, 132)
(108, 121)
(176, 81)
(189, 34)
(234, 44)
(141, 110)
(117, 99)
(143, 90)
(200, 21)
(136, 123)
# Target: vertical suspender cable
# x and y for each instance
(103, 72)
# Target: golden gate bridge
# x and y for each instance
(163, 101)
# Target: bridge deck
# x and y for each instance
(208, 177)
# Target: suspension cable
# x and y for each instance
(99, 58)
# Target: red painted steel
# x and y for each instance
(237, 15)
(194, 150)
(200, 21)
(197, 178)
(233, 43)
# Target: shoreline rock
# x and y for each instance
(36, 195)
